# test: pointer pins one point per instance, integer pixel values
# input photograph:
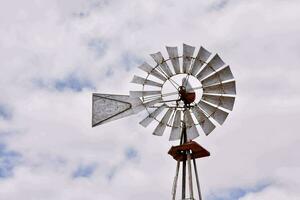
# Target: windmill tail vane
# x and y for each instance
(195, 91)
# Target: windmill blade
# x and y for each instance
(159, 130)
(110, 107)
(142, 81)
(191, 130)
(223, 101)
(188, 52)
(224, 74)
(213, 65)
(148, 104)
(201, 58)
(214, 112)
(144, 93)
(187, 85)
(206, 125)
(173, 55)
(223, 88)
(152, 102)
(145, 122)
(150, 70)
(159, 59)
(176, 129)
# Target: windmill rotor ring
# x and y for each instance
(217, 87)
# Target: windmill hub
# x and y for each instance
(187, 97)
(183, 93)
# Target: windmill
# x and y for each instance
(197, 91)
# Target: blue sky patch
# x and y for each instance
(84, 171)
(237, 193)
(131, 153)
(98, 46)
(130, 61)
(70, 82)
(5, 112)
(73, 83)
(219, 5)
(109, 72)
(8, 160)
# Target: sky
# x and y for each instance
(54, 54)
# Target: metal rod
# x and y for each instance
(167, 76)
(183, 178)
(169, 100)
(175, 181)
(184, 139)
(173, 93)
(175, 82)
(190, 175)
(184, 84)
(197, 179)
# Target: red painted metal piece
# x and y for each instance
(187, 97)
(179, 152)
(190, 97)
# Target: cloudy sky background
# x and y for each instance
(54, 54)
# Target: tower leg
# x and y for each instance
(197, 179)
(183, 141)
(190, 175)
(183, 178)
(175, 181)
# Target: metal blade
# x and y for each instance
(145, 122)
(191, 130)
(150, 103)
(110, 107)
(153, 102)
(142, 81)
(150, 70)
(214, 112)
(224, 88)
(188, 52)
(159, 59)
(159, 130)
(173, 55)
(223, 101)
(213, 65)
(206, 125)
(187, 85)
(216, 62)
(222, 75)
(144, 93)
(176, 129)
(201, 58)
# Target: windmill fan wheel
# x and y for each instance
(195, 91)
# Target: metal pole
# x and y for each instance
(184, 163)
(183, 178)
(190, 175)
(197, 179)
(175, 181)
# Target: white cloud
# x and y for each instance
(286, 187)
(52, 40)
